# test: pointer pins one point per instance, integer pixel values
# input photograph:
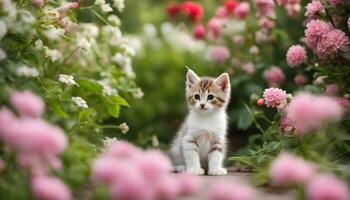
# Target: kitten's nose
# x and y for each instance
(202, 105)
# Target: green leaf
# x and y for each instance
(119, 100)
(56, 106)
(90, 85)
(244, 120)
(113, 110)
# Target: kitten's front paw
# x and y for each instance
(179, 168)
(217, 172)
(195, 171)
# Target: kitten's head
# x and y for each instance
(205, 94)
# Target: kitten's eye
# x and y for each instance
(210, 97)
(197, 97)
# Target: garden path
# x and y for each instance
(264, 193)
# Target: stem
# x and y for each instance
(99, 16)
(254, 119)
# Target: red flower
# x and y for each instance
(193, 10)
(230, 6)
(173, 9)
(199, 31)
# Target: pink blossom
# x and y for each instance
(300, 79)
(38, 2)
(132, 188)
(214, 27)
(221, 12)
(27, 103)
(327, 186)
(332, 89)
(313, 8)
(349, 23)
(242, 10)
(315, 31)
(285, 123)
(248, 68)
(308, 112)
(218, 53)
(199, 31)
(296, 55)
(188, 184)
(153, 164)
(265, 8)
(67, 6)
(266, 23)
(166, 188)
(260, 102)
(287, 169)
(254, 50)
(262, 36)
(274, 76)
(333, 42)
(274, 97)
(293, 9)
(335, 2)
(238, 39)
(123, 150)
(343, 102)
(232, 191)
(50, 188)
(8, 123)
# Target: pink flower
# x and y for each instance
(218, 54)
(285, 123)
(265, 8)
(188, 184)
(333, 42)
(313, 7)
(260, 102)
(27, 103)
(262, 36)
(335, 2)
(166, 188)
(38, 2)
(332, 89)
(193, 9)
(242, 10)
(230, 6)
(248, 68)
(131, 188)
(238, 39)
(50, 188)
(293, 9)
(221, 12)
(266, 22)
(327, 186)
(287, 169)
(173, 9)
(8, 123)
(274, 97)
(67, 6)
(315, 31)
(153, 164)
(214, 27)
(296, 55)
(308, 112)
(199, 31)
(349, 23)
(123, 150)
(232, 191)
(343, 102)
(274, 76)
(300, 79)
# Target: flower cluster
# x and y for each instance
(296, 55)
(274, 76)
(131, 173)
(37, 144)
(191, 9)
(275, 97)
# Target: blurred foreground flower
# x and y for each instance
(232, 191)
(327, 186)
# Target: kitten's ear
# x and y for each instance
(191, 78)
(223, 81)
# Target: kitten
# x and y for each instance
(200, 143)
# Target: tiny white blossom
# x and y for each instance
(52, 54)
(26, 71)
(27, 16)
(3, 29)
(84, 44)
(89, 29)
(100, 2)
(107, 89)
(128, 50)
(119, 4)
(124, 128)
(50, 15)
(138, 93)
(119, 58)
(38, 45)
(150, 30)
(109, 141)
(3, 54)
(113, 19)
(67, 79)
(53, 33)
(155, 141)
(80, 102)
(106, 8)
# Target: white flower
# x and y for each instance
(38, 45)
(52, 54)
(124, 128)
(27, 16)
(26, 71)
(109, 141)
(3, 29)
(138, 93)
(106, 88)
(3, 54)
(119, 58)
(89, 30)
(119, 4)
(84, 44)
(150, 30)
(50, 15)
(106, 8)
(67, 79)
(100, 2)
(128, 50)
(80, 102)
(155, 141)
(113, 19)
(254, 50)
(54, 33)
